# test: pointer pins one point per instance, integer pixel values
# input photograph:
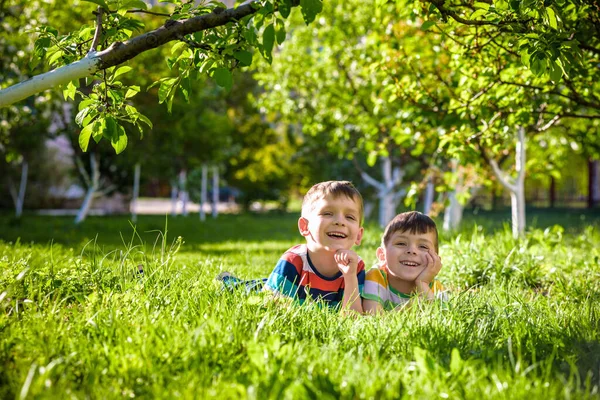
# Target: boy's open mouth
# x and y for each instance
(337, 235)
(409, 263)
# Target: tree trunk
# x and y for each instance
(552, 192)
(215, 186)
(517, 210)
(388, 200)
(516, 188)
(387, 210)
(593, 183)
(453, 213)
(203, 191)
(174, 193)
(428, 200)
(136, 192)
(91, 191)
(22, 186)
(183, 193)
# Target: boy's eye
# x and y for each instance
(401, 244)
(351, 217)
(326, 213)
(424, 247)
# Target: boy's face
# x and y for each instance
(332, 224)
(405, 253)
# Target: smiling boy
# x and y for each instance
(408, 264)
(325, 268)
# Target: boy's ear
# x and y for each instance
(381, 255)
(359, 237)
(303, 226)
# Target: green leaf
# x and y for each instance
(552, 18)
(166, 86)
(525, 57)
(69, 91)
(119, 141)
(285, 7)
(110, 127)
(98, 130)
(128, 4)
(280, 31)
(555, 72)
(145, 120)
(186, 88)
(177, 47)
(223, 78)
(132, 91)
(81, 115)
(481, 5)
(477, 14)
(54, 57)
(250, 36)
(427, 24)
(101, 3)
(244, 57)
(268, 42)
(310, 9)
(84, 137)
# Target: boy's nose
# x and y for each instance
(338, 221)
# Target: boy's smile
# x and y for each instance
(406, 256)
(332, 224)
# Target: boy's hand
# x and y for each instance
(347, 261)
(434, 265)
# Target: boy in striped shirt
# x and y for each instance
(325, 268)
(408, 264)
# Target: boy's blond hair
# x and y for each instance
(335, 189)
(413, 222)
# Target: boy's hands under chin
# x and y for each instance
(434, 265)
(347, 261)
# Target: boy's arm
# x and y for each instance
(372, 306)
(347, 262)
(284, 279)
(423, 281)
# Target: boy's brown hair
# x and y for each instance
(335, 189)
(413, 222)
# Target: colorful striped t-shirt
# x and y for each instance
(295, 276)
(378, 288)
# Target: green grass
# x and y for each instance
(523, 321)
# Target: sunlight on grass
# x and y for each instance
(78, 319)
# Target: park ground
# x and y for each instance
(76, 320)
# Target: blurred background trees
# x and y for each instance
(419, 103)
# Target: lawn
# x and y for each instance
(523, 320)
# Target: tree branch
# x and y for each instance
(98, 31)
(119, 52)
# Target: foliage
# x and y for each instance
(78, 320)
(106, 104)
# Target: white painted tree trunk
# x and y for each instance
(174, 193)
(596, 182)
(136, 192)
(183, 193)
(215, 194)
(428, 200)
(517, 186)
(22, 186)
(388, 199)
(454, 212)
(91, 190)
(203, 191)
